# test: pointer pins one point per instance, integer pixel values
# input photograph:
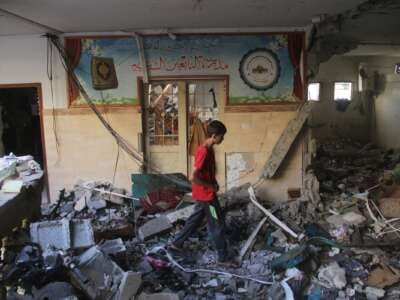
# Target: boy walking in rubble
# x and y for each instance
(204, 191)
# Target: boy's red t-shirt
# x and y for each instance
(204, 162)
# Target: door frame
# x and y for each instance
(184, 78)
(38, 87)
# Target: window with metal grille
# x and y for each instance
(163, 113)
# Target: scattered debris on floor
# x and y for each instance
(337, 239)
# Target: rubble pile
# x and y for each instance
(98, 201)
(350, 167)
(337, 240)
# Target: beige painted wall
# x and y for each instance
(327, 121)
(387, 103)
(257, 133)
(87, 151)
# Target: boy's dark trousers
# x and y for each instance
(215, 222)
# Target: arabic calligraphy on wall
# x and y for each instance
(190, 55)
(183, 63)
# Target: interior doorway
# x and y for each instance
(175, 115)
(20, 123)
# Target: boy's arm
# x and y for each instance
(194, 177)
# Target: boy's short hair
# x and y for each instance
(216, 127)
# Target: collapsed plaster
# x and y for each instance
(236, 165)
(341, 33)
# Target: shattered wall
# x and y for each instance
(86, 150)
(327, 120)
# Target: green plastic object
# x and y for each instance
(143, 184)
(291, 258)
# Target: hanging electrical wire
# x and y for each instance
(49, 69)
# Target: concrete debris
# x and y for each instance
(81, 233)
(280, 236)
(80, 204)
(62, 234)
(332, 242)
(95, 204)
(212, 283)
(180, 214)
(56, 290)
(158, 296)
(154, 227)
(269, 214)
(129, 286)
(100, 278)
(55, 234)
(350, 218)
(374, 293)
(113, 247)
(333, 275)
(250, 241)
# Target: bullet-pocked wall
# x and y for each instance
(79, 147)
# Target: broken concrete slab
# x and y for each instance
(353, 218)
(180, 214)
(81, 233)
(374, 293)
(154, 227)
(117, 196)
(350, 218)
(113, 247)
(97, 275)
(51, 234)
(80, 204)
(333, 275)
(280, 236)
(95, 204)
(212, 283)
(285, 141)
(62, 234)
(129, 286)
(55, 290)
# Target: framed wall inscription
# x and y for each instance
(263, 69)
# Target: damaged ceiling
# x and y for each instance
(101, 15)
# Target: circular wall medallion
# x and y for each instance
(260, 68)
